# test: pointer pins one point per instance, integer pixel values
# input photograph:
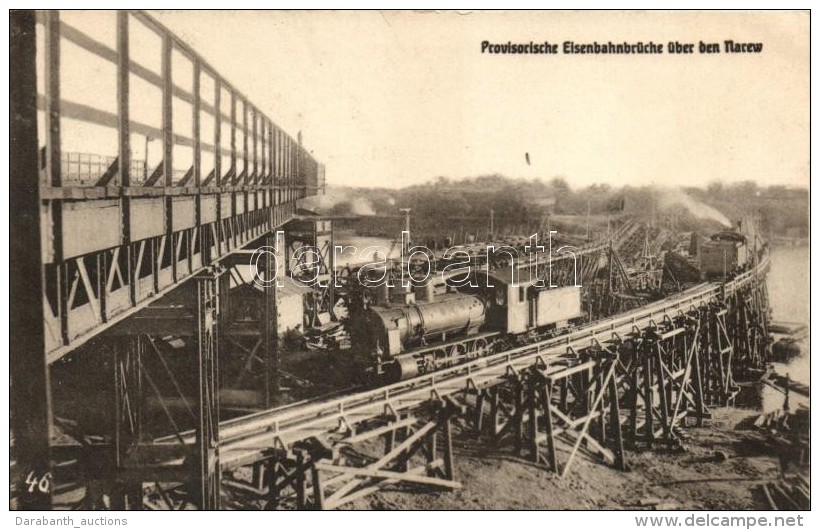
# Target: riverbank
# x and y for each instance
(724, 466)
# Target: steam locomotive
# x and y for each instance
(409, 331)
(728, 252)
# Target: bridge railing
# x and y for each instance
(152, 166)
(123, 85)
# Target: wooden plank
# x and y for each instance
(167, 114)
(217, 132)
(233, 135)
(384, 460)
(588, 420)
(367, 435)
(89, 114)
(123, 117)
(245, 159)
(380, 473)
(769, 498)
(255, 164)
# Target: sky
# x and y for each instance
(392, 99)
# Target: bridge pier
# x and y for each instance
(313, 475)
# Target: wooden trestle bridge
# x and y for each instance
(635, 380)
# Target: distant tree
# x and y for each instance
(747, 188)
(715, 188)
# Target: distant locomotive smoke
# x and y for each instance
(360, 206)
(340, 201)
(671, 197)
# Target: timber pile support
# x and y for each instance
(412, 449)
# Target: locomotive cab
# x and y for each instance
(517, 306)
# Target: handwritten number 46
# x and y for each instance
(43, 485)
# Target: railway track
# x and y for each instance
(248, 439)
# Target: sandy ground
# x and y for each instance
(697, 479)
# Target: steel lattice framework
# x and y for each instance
(119, 238)
(110, 232)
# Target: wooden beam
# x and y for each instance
(380, 473)
(583, 431)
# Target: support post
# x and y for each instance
(518, 417)
(552, 459)
(318, 493)
(662, 392)
(633, 399)
(30, 397)
(649, 429)
(615, 424)
(479, 411)
(448, 448)
(494, 404)
(270, 322)
(533, 410)
(300, 480)
(207, 430)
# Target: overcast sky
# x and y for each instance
(397, 98)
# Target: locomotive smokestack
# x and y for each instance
(406, 212)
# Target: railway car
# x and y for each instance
(725, 253)
(412, 332)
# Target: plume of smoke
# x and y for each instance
(675, 197)
(342, 200)
(361, 206)
(323, 203)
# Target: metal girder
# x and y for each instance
(158, 320)
(30, 392)
(210, 286)
(121, 238)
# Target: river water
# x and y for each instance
(789, 300)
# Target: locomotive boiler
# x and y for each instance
(397, 329)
